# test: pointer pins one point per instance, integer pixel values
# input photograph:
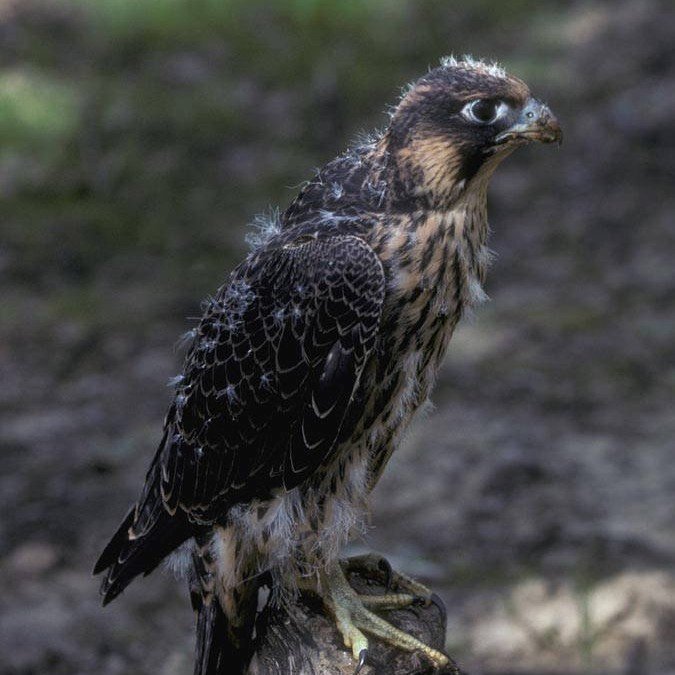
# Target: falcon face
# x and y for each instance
(464, 116)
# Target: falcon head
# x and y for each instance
(455, 124)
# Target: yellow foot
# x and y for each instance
(354, 619)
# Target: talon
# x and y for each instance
(452, 668)
(354, 618)
(385, 567)
(362, 661)
(435, 599)
(420, 601)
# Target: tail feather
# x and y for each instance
(225, 641)
(216, 653)
(125, 557)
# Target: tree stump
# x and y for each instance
(303, 639)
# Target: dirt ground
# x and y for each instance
(537, 498)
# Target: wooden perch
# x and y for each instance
(303, 640)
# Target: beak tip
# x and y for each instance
(551, 129)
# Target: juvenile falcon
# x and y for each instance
(310, 361)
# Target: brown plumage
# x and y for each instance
(311, 360)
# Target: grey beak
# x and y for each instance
(536, 123)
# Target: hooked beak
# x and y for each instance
(536, 122)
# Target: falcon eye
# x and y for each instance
(483, 110)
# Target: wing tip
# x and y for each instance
(107, 596)
(109, 555)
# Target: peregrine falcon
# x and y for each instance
(311, 360)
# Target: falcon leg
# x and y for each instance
(354, 619)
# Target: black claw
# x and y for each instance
(385, 567)
(420, 601)
(453, 669)
(436, 600)
(362, 661)
(450, 668)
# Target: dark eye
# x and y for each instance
(483, 110)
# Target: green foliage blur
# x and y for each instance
(137, 138)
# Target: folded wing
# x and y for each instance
(268, 381)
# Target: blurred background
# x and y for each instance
(137, 140)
